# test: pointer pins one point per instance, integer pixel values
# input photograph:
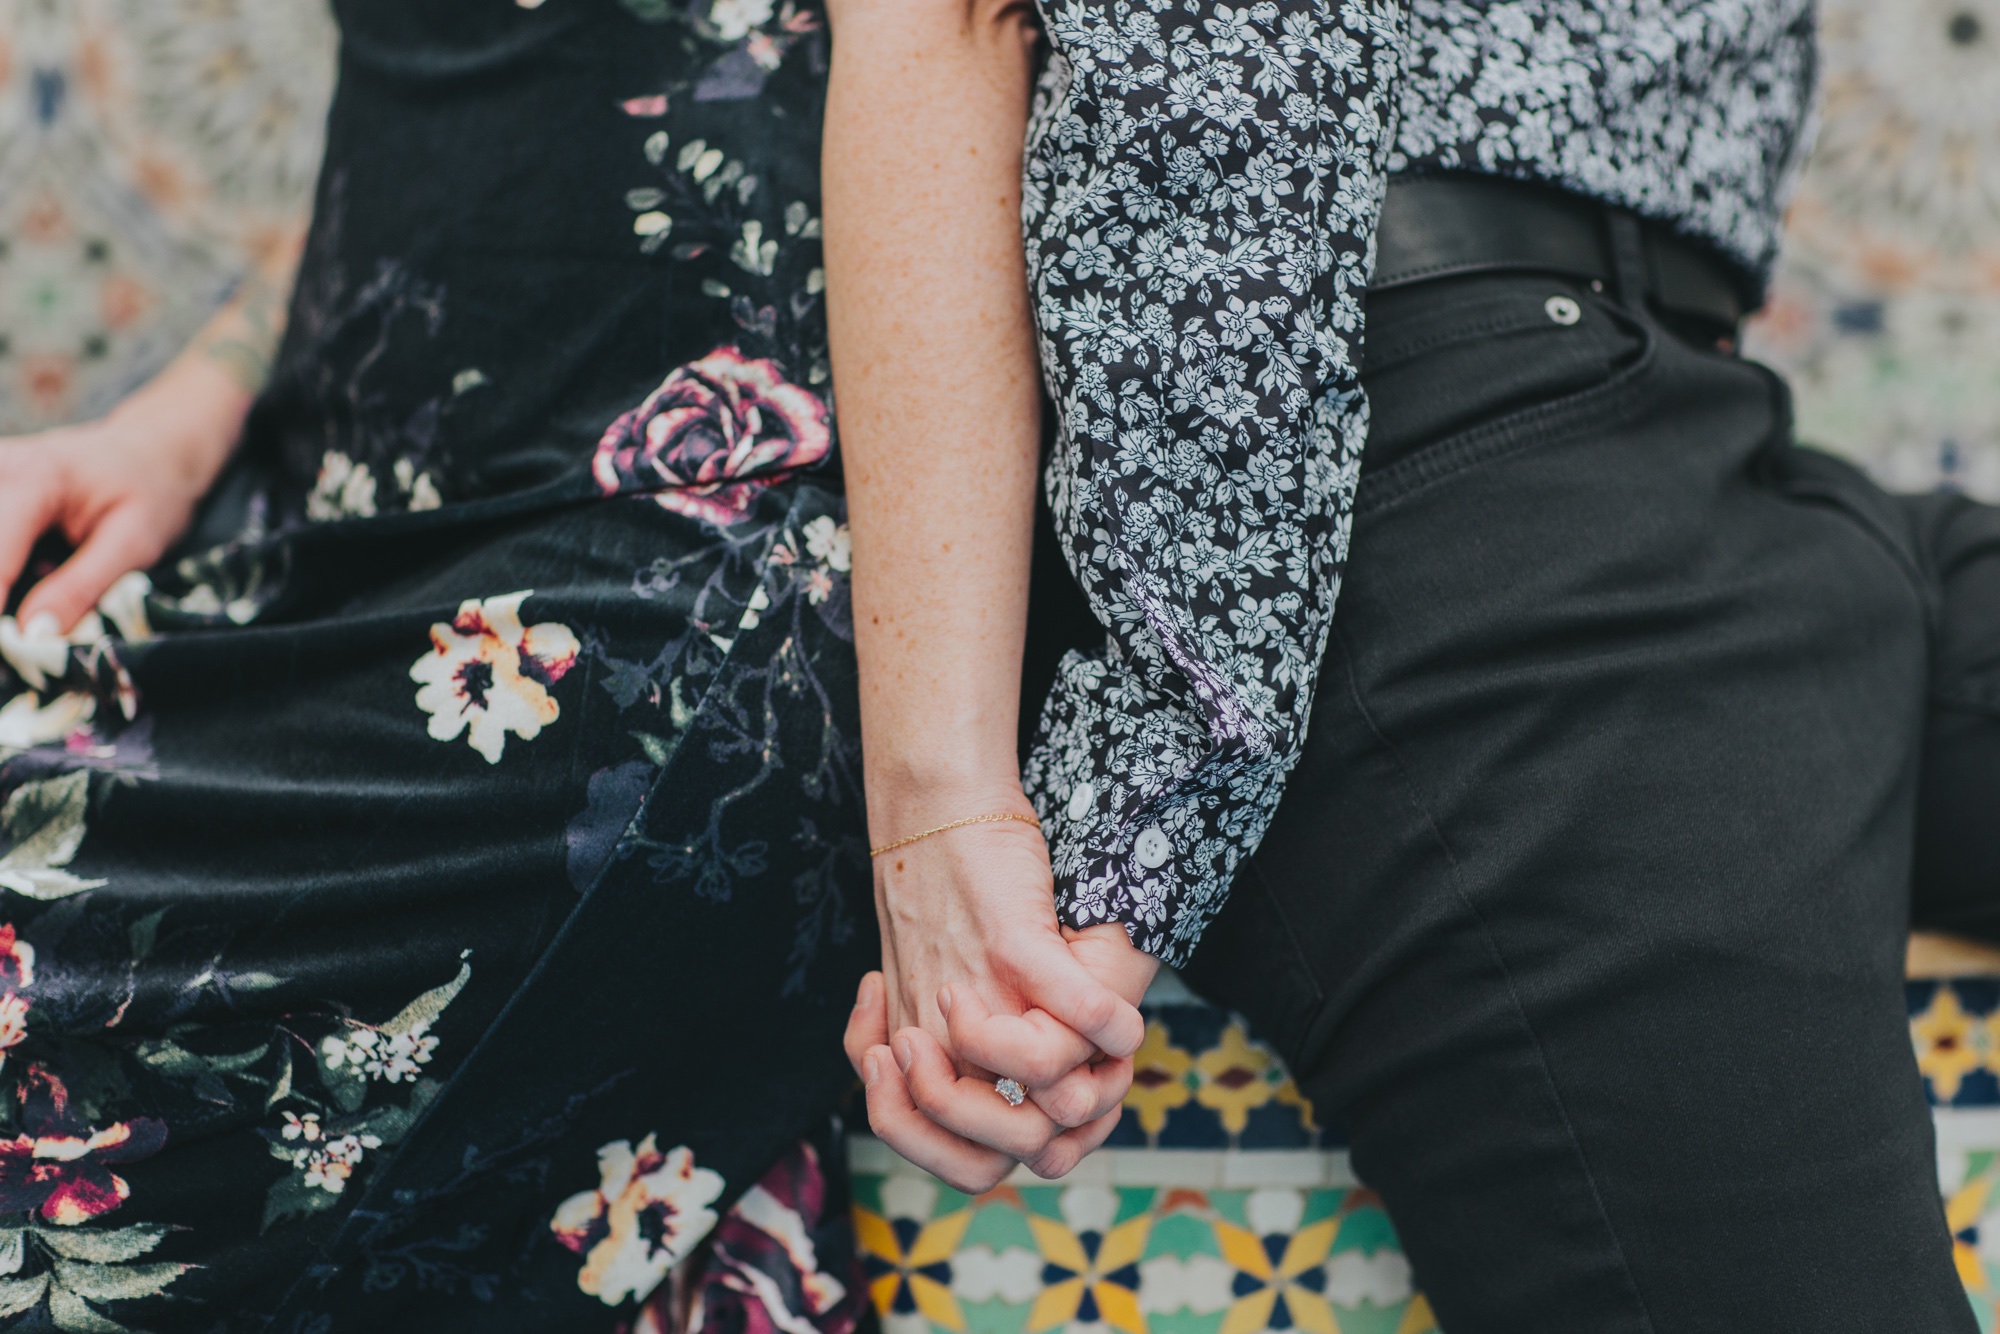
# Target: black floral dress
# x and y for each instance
(431, 899)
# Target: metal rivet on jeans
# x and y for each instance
(1153, 847)
(1563, 309)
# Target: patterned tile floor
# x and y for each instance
(1221, 1207)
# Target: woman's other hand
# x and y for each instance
(121, 488)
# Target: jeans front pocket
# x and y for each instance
(1448, 357)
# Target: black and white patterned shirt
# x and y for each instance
(1203, 181)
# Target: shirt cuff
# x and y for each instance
(1144, 828)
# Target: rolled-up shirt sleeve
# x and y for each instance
(1203, 183)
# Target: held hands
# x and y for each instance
(980, 981)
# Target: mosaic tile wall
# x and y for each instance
(149, 151)
(1222, 1207)
(1219, 1206)
(1886, 312)
(149, 148)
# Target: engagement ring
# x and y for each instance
(1012, 1092)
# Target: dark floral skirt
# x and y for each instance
(437, 921)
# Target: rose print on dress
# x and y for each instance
(59, 1166)
(767, 1268)
(714, 434)
(55, 1182)
(487, 676)
(648, 1211)
(17, 974)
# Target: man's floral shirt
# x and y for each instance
(1202, 188)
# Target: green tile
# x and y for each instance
(1181, 1235)
(1366, 1229)
(998, 1226)
(1043, 1200)
(1369, 1318)
(1133, 1201)
(1323, 1203)
(994, 1317)
(868, 1191)
(1185, 1322)
(1228, 1205)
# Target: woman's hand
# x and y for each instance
(979, 981)
(124, 488)
(121, 488)
(933, 348)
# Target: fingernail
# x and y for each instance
(905, 1053)
(868, 1068)
(944, 1000)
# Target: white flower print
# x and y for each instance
(326, 1161)
(326, 1157)
(753, 611)
(1694, 111)
(344, 489)
(305, 1127)
(17, 974)
(648, 1211)
(26, 722)
(124, 605)
(829, 543)
(38, 651)
(13, 1022)
(420, 487)
(393, 1057)
(733, 20)
(487, 676)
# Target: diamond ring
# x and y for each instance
(1012, 1092)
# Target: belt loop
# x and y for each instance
(1628, 258)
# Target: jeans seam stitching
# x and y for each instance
(1423, 810)
(1508, 323)
(1299, 954)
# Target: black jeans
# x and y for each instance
(1585, 910)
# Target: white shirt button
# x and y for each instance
(1082, 798)
(1153, 847)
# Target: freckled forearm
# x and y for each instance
(193, 411)
(938, 391)
(242, 337)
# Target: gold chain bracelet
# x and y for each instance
(955, 824)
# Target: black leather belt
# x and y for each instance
(1438, 226)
